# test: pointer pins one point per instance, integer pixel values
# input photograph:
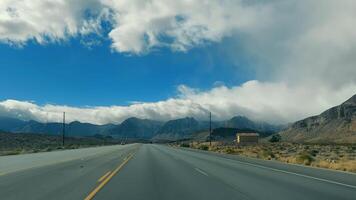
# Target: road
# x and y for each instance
(158, 172)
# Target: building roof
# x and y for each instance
(248, 134)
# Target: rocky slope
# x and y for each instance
(337, 124)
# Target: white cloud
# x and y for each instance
(271, 102)
(142, 25)
(48, 20)
(163, 110)
(137, 25)
(302, 51)
(304, 42)
(266, 101)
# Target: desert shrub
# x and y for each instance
(49, 149)
(184, 145)
(14, 152)
(36, 150)
(314, 152)
(275, 138)
(204, 147)
(229, 150)
(72, 146)
(304, 158)
(266, 154)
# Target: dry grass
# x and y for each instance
(16, 143)
(331, 156)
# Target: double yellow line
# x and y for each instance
(106, 178)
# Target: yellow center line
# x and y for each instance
(104, 176)
(107, 179)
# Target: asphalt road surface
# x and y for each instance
(158, 172)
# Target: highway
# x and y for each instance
(159, 172)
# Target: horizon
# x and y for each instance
(171, 100)
(230, 58)
(163, 121)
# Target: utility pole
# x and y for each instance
(210, 129)
(64, 128)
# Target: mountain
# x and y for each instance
(226, 130)
(85, 129)
(37, 127)
(182, 126)
(72, 129)
(9, 124)
(189, 128)
(335, 125)
(243, 123)
(240, 122)
(177, 129)
(136, 128)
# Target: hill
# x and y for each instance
(243, 123)
(335, 125)
(177, 129)
(10, 124)
(136, 128)
(190, 128)
(73, 129)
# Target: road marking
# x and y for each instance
(296, 174)
(201, 171)
(283, 171)
(104, 176)
(107, 179)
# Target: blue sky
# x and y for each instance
(72, 74)
(274, 61)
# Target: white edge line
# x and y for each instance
(201, 171)
(287, 172)
(296, 174)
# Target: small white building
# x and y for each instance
(247, 138)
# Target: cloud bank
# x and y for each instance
(136, 26)
(271, 102)
(302, 51)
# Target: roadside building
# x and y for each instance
(247, 138)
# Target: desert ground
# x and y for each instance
(331, 156)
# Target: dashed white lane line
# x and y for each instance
(201, 171)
